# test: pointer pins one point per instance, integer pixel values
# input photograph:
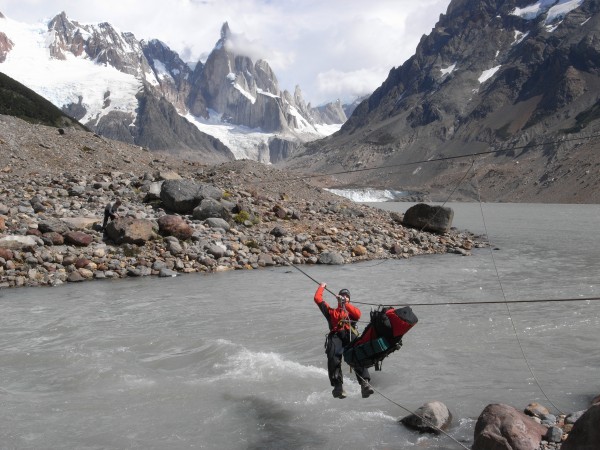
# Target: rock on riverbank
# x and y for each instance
(50, 225)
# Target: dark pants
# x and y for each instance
(335, 349)
(106, 217)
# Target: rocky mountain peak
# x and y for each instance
(225, 32)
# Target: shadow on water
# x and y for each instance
(270, 426)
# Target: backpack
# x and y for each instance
(381, 337)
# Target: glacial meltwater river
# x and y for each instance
(235, 360)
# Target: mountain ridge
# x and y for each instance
(492, 75)
(227, 86)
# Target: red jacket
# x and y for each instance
(338, 318)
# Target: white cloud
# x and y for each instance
(306, 42)
(335, 84)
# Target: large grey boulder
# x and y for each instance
(429, 418)
(54, 225)
(502, 427)
(429, 218)
(182, 196)
(209, 207)
(585, 434)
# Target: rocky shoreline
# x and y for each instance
(50, 226)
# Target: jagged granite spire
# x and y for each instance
(225, 32)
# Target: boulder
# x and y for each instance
(174, 225)
(215, 222)
(78, 238)
(75, 277)
(57, 226)
(429, 418)
(264, 259)
(164, 273)
(536, 410)
(153, 192)
(216, 250)
(128, 230)
(173, 245)
(6, 254)
(278, 231)
(429, 218)
(182, 196)
(18, 242)
(359, 250)
(331, 258)
(81, 223)
(53, 238)
(585, 434)
(209, 207)
(168, 175)
(502, 427)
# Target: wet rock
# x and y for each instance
(429, 218)
(429, 418)
(164, 273)
(502, 427)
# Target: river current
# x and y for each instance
(235, 360)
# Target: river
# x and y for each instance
(235, 360)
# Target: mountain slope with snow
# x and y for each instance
(102, 76)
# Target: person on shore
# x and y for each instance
(341, 321)
(111, 212)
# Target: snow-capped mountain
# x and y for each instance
(143, 93)
(491, 75)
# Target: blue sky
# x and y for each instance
(331, 48)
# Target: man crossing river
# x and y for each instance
(341, 322)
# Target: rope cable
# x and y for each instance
(506, 303)
(492, 302)
(445, 158)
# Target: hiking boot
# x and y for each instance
(338, 391)
(365, 389)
